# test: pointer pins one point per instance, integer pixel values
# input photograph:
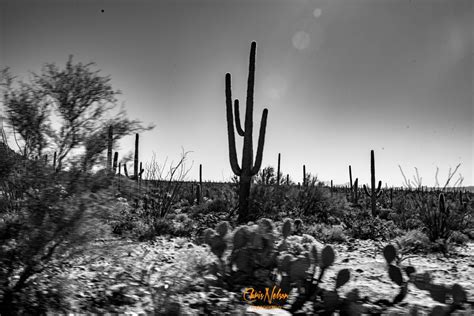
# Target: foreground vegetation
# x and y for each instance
(104, 249)
(80, 233)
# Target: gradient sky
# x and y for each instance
(339, 77)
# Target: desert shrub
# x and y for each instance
(53, 219)
(313, 200)
(327, 233)
(209, 213)
(458, 238)
(48, 293)
(405, 215)
(442, 217)
(362, 225)
(413, 241)
(267, 201)
(217, 206)
(174, 225)
(123, 218)
(50, 211)
(296, 245)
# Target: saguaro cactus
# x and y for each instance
(278, 170)
(109, 148)
(304, 176)
(374, 193)
(135, 160)
(198, 194)
(114, 167)
(356, 192)
(248, 168)
(54, 161)
(137, 170)
(200, 187)
(350, 183)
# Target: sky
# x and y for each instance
(339, 78)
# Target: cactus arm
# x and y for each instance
(250, 91)
(356, 190)
(230, 128)
(350, 176)
(141, 170)
(261, 143)
(125, 170)
(240, 131)
(379, 188)
(366, 191)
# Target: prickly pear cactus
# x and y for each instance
(455, 295)
(252, 255)
(257, 255)
(303, 274)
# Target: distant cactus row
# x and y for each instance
(113, 164)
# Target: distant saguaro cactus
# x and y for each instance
(137, 172)
(198, 194)
(248, 168)
(304, 175)
(109, 148)
(135, 160)
(350, 183)
(356, 192)
(54, 160)
(278, 170)
(199, 187)
(374, 193)
(114, 167)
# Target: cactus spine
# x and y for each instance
(248, 169)
(374, 193)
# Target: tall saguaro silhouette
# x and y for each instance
(248, 168)
(374, 192)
